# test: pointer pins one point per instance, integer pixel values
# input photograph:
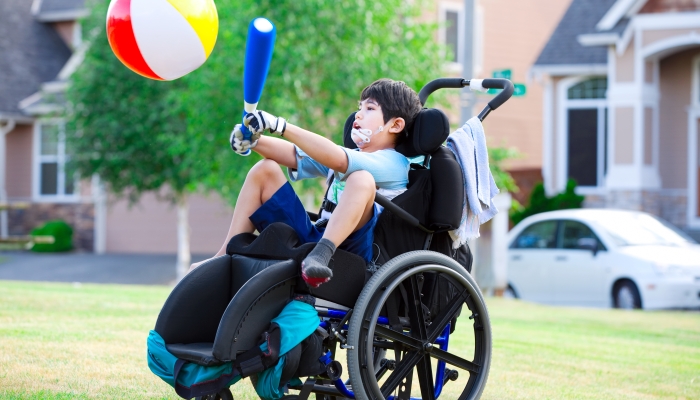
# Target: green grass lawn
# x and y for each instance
(63, 341)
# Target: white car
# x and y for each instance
(603, 258)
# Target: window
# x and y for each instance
(694, 136)
(586, 116)
(590, 89)
(451, 17)
(541, 235)
(572, 231)
(695, 88)
(583, 146)
(640, 229)
(452, 34)
(56, 179)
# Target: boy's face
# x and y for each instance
(369, 115)
(369, 120)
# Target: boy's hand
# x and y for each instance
(241, 145)
(260, 121)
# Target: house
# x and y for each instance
(508, 36)
(36, 42)
(39, 48)
(622, 106)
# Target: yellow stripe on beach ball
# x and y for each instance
(202, 15)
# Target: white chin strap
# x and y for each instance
(363, 135)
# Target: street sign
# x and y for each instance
(519, 89)
(502, 73)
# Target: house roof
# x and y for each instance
(618, 11)
(31, 53)
(563, 47)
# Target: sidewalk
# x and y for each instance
(138, 269)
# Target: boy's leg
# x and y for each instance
(263, 181)
(354, 210)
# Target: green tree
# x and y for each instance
(171, 138)
(325, 53)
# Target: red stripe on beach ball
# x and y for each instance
(122, 40)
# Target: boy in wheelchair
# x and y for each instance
(348, 217)
(393, 324)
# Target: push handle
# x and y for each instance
(456, 83)
(496, 83)
(440, 83)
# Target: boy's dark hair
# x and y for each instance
(396, 100)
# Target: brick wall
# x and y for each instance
(669, 205)
(639, 200)
(594, 201)
(80, 216)
(674, 209)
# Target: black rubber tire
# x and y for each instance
(627, 296)
(224, 394)
(371, 300)
(510, 293)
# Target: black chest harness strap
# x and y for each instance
(327, 205)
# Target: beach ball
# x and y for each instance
(162, 39)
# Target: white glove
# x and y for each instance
(241, 145)
(260, 121)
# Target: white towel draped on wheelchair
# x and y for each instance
(468, 143)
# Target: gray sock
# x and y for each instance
(315, 265)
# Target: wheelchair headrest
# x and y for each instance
(430, 130)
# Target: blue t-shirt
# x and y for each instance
(388, 167)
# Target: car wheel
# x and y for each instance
(509, 293)
(627, 296)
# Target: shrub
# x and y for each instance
(61, 232)
(539, 202)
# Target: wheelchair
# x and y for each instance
(395, 323)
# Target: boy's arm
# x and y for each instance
(317, 147)
(277, 150)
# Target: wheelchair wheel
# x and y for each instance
(223, 394)
(417, 338)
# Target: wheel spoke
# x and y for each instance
(391, 334)
(425, 379)
(415, 310)
(403, 368)
(455, 360)
(446, 315)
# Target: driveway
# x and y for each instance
(139, 269)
